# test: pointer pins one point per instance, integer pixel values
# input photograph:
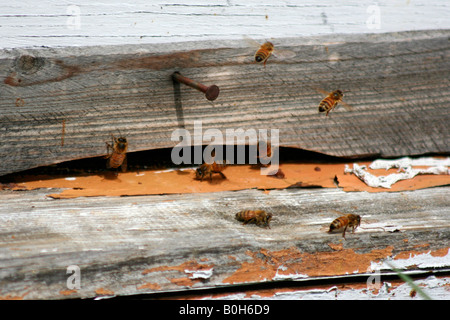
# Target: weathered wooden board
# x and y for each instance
(115, 22)
(155, 244)
(59, 104)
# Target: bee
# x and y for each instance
(344, 222)
(259, 217)
(331, 101)
(268, 152)
(266, 49)
(277, 173)
(118, 156)
(264, 52)
(208, 169)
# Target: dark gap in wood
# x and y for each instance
(160, 159)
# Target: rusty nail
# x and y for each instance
(211, 92)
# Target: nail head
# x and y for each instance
(212, 92)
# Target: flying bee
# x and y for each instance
(118, 156)
(267, 49)
(259, 217)
(331, 101)
(348, 221)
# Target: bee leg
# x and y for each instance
(108, 148)
(250, 221)
(221, 173)
(343, 234)
(124, 165)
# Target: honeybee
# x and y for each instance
(208, 169)
(348, 221)
(264, 52)
(268, 154)
(266, 49)
(331, 101)
(267, 158)
(118, 156)
(259, 217)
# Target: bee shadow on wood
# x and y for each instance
(110, 174)
(214, 180)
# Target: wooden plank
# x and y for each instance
(87, 23)
(178, 243)
(60, 104)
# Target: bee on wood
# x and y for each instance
(259, 217)
(208, 169)
(264, 52)
(348, 221)
(331, 101)
(267, 155)
(266, 49)
(117, 154)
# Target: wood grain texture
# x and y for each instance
(151, 244)
(397, 84)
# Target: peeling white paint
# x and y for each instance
(408, 162)
(419, 261)
(171, 170)
(436, 288)
(387, 181)
(200, 274)
(382, 226)
(288, 276)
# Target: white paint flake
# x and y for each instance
(200, 274)
(406, 171)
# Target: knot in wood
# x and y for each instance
(29, 64)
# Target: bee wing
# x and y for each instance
(283, 54)
(346, 105)
(340, 213)
(251, 42)
(322, 91)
